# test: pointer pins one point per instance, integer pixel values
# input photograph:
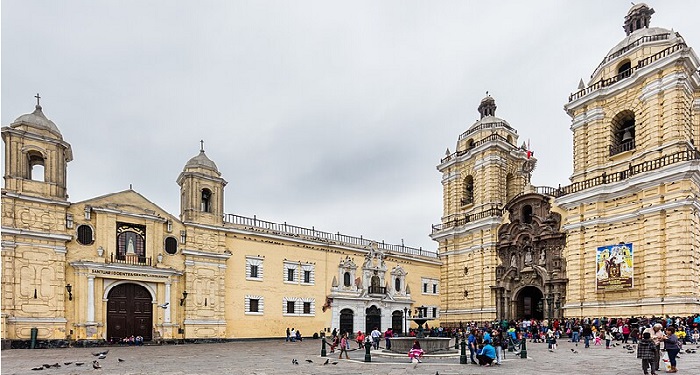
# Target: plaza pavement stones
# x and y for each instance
(274, 357)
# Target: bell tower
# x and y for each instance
(36, 156)
(479, 178)
(201, 191)
(635, 182)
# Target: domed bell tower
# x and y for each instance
(201, 191)
(36, 156)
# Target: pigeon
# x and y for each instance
(294, 361)
(574, 351)
(120, 360)
(38, 368)
(334, 363)
(96, 365)
(67, 363)
(79, 363)
(102, 356)
(46, 365)
(310, 361)
(56, 365)
(104, 352)
(164, 306)
(327, 361)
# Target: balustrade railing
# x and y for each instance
(488, 125)
(489, 138)
(459, 220)
(130, 259)
(605, 82)
(622, 147)
(284, 229)
(377, 290)
(636, 43)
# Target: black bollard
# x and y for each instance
(523, 348)
(323, 346)
(463, 354)
(368, 347)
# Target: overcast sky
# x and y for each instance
(317, 113)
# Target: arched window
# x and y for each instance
(397, 284)
(36, 166)
(622, 132)
(346, 279)
(206, 200)
(527, 214)
(131, 242)
(468, 197)
(624, 70)
(470, 144)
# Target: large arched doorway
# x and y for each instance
(373, 318)
(397, 321)
(530, 303)
(346, 321)
(129, 312)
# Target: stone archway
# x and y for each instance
(529, 303)
(347, 318)
(373, 318)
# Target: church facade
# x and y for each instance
(118, 265)
(623, 238)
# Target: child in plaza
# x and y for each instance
(344, 346)
(646, 351)
(416, 353)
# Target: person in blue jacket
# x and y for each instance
(488, 354)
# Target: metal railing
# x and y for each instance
(605, 82)
(459, 220)
(490, 138)
(638, 42)
(312, 233)
(488, 125)
(622, 147)
(376, 290)
(130, 260)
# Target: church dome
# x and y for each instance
(201, 161)
(37, 120)
(488, 120)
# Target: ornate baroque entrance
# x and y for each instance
(531, 279)
(129, 312)
(373, 318)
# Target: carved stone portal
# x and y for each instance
(531, 278)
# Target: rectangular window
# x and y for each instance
(290, 274)
(254, 305)
(307, 307)
(290, 307)
(307, 277)
(434, 288)
(434, 312)
(254, 271)
(425, 287)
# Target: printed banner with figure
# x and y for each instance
(614, 267)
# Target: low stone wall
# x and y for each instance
(428, 344)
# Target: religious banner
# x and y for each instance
(614, 267)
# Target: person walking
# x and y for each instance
(360, 339)
(344, 346)
(587, 333)
(646, 351)
(376, 335)
(471, 342)
(672, 347)
(387, 337)
(287, 339)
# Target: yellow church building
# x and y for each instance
(118, 265)
(623, 238)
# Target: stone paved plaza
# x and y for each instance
(275, 357)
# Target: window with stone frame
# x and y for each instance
(307, 307)
(85, 235)
(290, 307)
(254, 268)
(254, 305)
(131, 239)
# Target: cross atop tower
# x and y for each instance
(201, 144)
(37, 99)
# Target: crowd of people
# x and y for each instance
(487, 342)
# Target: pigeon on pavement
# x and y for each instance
(327, 360)
(96, 365)
(38, 368)
(79, 363)
(310, 361)
(120, 360)
(67, 363)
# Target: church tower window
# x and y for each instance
(624, 70)
(346, 279)
(527, 214)
(206, 200)
(623, 132)
(397, 284)
(36, 166)
(468, 197)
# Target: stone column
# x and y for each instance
(91, 299)
(166, 317)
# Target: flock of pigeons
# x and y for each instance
(95, 364)
(328, 361)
